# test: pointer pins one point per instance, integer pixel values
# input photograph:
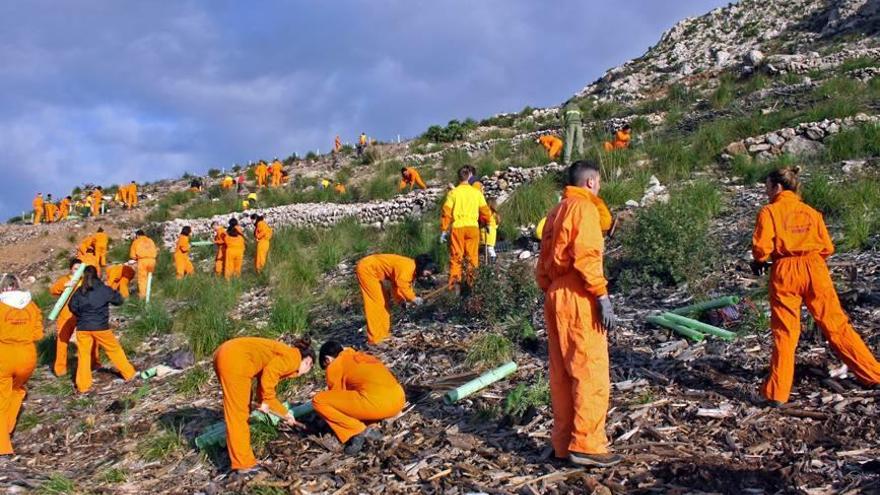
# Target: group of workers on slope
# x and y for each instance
(46, 209)
(573, 143)
(230, 244)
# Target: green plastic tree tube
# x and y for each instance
(479, 383)
(149, 287)
(705, 305)
(679, 329)
(150, 373)
(67, 292)
(700, 326)
(215, 435)
(202, 243)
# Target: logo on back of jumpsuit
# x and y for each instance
(18, 317)
(798, 222)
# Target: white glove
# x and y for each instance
(443, 237)
(418, 301)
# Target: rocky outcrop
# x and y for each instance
(803, 140)
(373, 213)
(801, 63)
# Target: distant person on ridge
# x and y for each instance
(39, 208)
(574, 133)
(50, 209)
(262, 173)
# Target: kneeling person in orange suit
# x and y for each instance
(552, 144)
(359, 388)
(794, 236)
(578, 313)
(21, 324)
(91, 306)
(143, 251)
(621, 139)
(463, 211)
(409, 178)
(237, 362)
(182, 264)
(65, 324)
(119, 277)
(86, 251)
(400, 272)
(51, 211)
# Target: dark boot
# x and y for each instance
(355, 445)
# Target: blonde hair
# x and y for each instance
(786, 177)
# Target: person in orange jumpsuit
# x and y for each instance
(234, 252)
(97, 198)
(409, 178)
(237, 362)
(21, 325)
(795, 238)
(578, 314)
(276, 170)
(50, 211)
(552, 144)
(65, 324)
(621, 139)
(132, 200)
(339, 188)
(263, 236)
(64, 208)
(400, 272)
(86, 251)
(220, 245)
(182, 264)
(90, 303)
(359, 388)
(337, 144)
(39, 208)
(262, 173)
(463, 211)
(143, 252)
(119, 277)
(102, 245)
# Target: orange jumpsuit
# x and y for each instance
(464, 209)
(63, 209)
(143, 250)
(570, 273)
(359, 388)
(237, 362)
(118, 278)
(337, 144)
(276, 169)
(97, 197)
(371, 271)
(65, 325)
(50, 211)
(794, 236)
(182, 264)
(86, 252)
(263, 234)
(261, 172)
(220, 244)
(234, 253)
(621, 141)
(415, 179)
(102, 243)
(38, 210)
(339, 188)
(552, 144)
(20, 326)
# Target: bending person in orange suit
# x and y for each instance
(220, 245)
(119, 277)
(794, 236)
(39, 208)
(143, 251)
(276, 171)
(64, 208)
(86, 251)
(359, 388)
(578, 314)
(97, 198)
(90, 303)
(65, 324)
(552, 144)
(409, 178)
(263, 235)
(182, 264)
(463, 211)
(21, 324)
(237, 362)
(234, 251)
(621, 139)
(400, 271)
(50, 210)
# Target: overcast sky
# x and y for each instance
(110, 91)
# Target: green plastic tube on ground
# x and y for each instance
(479, 383)
(149, 287)
(679, 329)
(700, 326)
(705, 305)
(67, 292)
(202, 243)
(149, 373)
(215, 435)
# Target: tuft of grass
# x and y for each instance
(114, 475)
(290, 315)
(57, 388)
(528, 204)
(503, 295)
(853, 206)
(161, 446)
(859, 142)
(753, 171)
(521, 398)
(57, 484)
(27, 421)
(489, 350)
(147, 320)
(192, 382)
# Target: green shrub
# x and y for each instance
(669, 242)
(503, 294)
(753, 171)
(161, 446)
(854, 205)
(289, 316)
(489, 350)
(192, 382)
(454, 131)
(525, 396)
(859, 142)
(57, 484)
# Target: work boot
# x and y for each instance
(372, 434)
(594, 460)
(355, 445)
(759, 400)
(245, 474)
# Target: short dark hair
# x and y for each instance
(331, 348)
(100, 229)
(425, 262)
(464, 173)
(187, 230)
(580, 171)
(233, 222)
(140, 232)
(253, 216)
(403, 170)
(74, 262)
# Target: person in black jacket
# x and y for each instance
(91, 306)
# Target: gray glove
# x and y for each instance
(609, 320)
(443, 237)
(418, 301)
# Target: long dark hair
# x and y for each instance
(90, 279)
(186, 231)
(304, 345)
